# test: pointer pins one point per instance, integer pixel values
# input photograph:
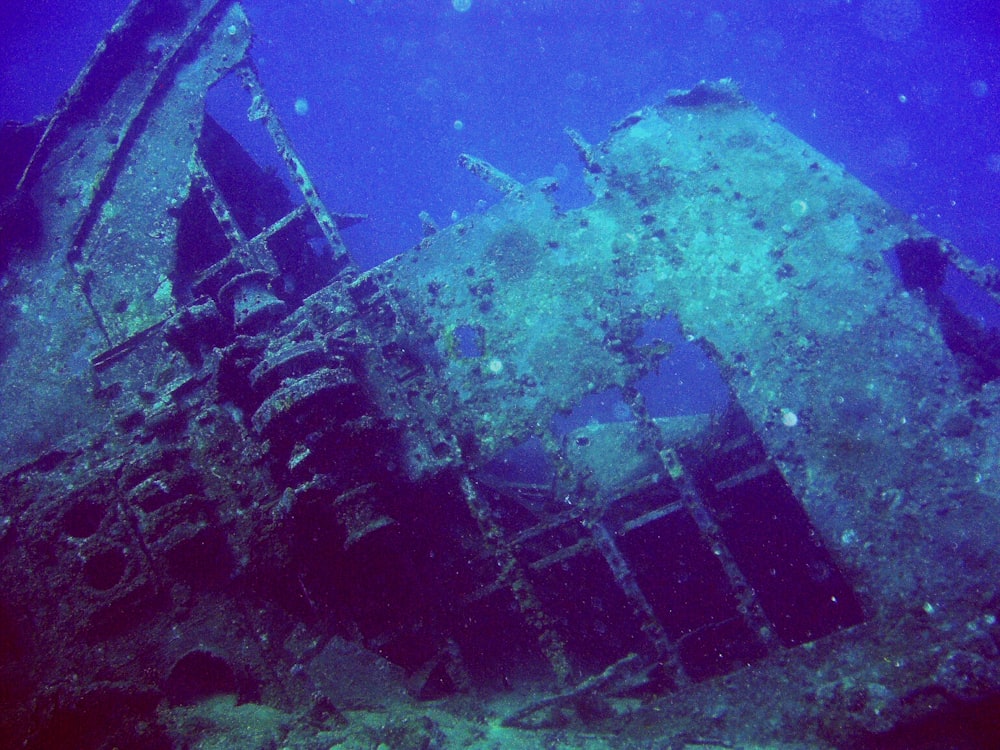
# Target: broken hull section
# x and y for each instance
(239, 464)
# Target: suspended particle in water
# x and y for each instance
(716, 24)
(979, 88)
(458, 125)
(302, 106)
(461, 5)
(575, 80)
(891, 20)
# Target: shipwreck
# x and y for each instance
(233, 463)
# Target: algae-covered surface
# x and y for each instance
(255, 496)
(220, 723)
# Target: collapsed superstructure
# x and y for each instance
(233, 463)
